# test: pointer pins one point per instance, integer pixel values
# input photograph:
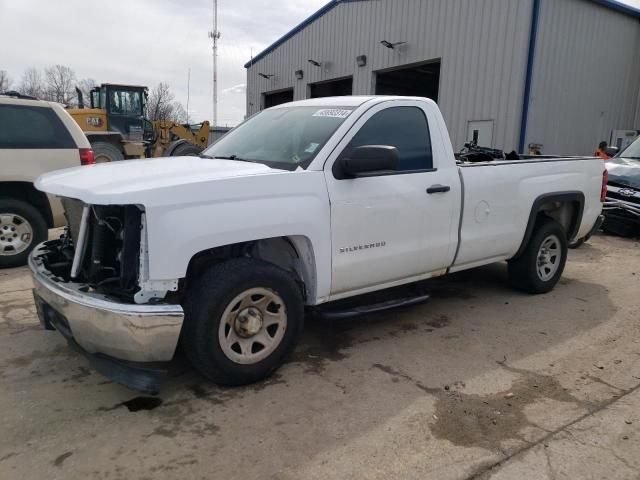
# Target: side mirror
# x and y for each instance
(367, 161)
(612, 151)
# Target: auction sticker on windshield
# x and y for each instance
(332, 113)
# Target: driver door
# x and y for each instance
(386, 228)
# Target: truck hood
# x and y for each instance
(121, 182)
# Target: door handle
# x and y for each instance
(438, 189)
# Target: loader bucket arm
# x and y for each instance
(168, 132)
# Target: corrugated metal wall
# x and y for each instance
(586, 71)
(586, 76)
(482, 44)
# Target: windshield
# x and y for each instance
(624, 172)
(632, 151)
(286, 137)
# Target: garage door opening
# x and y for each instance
(271, 99)
(420, 80)
(332, 88)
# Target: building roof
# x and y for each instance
(618, 5)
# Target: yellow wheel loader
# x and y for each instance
(117, 127)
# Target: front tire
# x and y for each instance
(243, 318)
(541, 265)
(22, 227)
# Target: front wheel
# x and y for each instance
(242, 318)
(541, 265)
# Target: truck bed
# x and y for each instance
(497, 197)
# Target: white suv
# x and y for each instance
(35, 137)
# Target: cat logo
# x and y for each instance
(94, 121)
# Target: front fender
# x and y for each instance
(240, 210)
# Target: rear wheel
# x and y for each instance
(242, 318)
(186, 149)
(541, 265)
(22, 227)
(104, 152)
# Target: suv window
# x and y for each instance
(23, 126)
(406, 129)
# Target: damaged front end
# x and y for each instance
(100, 248)
(90, 286)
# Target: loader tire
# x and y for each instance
(186, 150)
(105, 152)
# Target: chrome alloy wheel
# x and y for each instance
(548, 260)
(252, 326)
(16, 234)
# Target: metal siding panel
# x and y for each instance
(586, 76)
(482, 45)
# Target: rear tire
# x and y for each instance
(22, 227)
(540, 266)
(186, 149)
(243, 317)
(105, 152)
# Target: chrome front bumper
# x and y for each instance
(101, 325)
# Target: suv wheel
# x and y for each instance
(541, 265)
(22, 227)
(242, 318)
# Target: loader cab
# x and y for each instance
(126, 107)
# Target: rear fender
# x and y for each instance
(565, 207)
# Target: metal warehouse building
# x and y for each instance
(559, 74)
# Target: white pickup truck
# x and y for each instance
(301, 205)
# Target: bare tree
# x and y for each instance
(161, 105)
(86, 85)
(60, 84)
(5, 81)
(31, 83)
(179, 114)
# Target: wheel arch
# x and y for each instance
(293, 253)
(566, 208)
(26, 192)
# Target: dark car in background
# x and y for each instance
(622, 208)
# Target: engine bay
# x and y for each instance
(108, 238)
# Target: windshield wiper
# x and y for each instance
(234, 157)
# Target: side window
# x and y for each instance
(406, 129)
(32, 127)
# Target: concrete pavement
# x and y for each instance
(481, 382)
